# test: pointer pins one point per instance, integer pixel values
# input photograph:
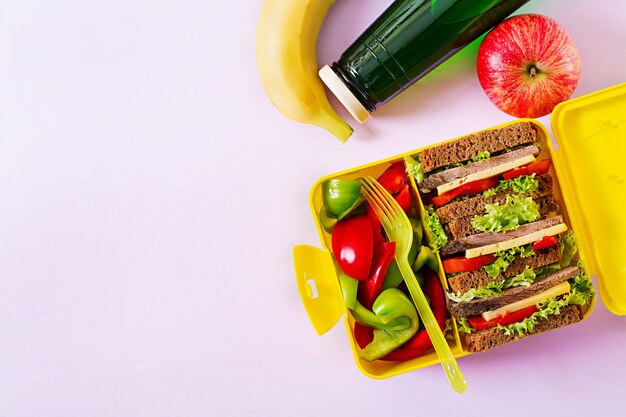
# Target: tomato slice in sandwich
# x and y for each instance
(463, 264)
(537, 168)
(479, 323)
(545, 242)
(468, 188)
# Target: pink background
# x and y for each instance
(150, 197)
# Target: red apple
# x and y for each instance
(527, 65)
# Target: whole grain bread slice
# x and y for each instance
(490, 338)
(511, 295)
(462, 227)
(467, 147)
(476, 204)
(462, 283)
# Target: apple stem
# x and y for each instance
(533, 71)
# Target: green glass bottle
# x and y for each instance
(406, 42)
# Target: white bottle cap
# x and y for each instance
(343, 93)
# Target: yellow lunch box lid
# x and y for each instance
(590, 162)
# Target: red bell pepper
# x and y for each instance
(419, 343)
(479, 323)
(463, 264)
(537, 167)
(394, 178)
(353, 245)
(371, 288)
(545, 242)
(404, 199)
(468, 188)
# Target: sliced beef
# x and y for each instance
(484, 239)
(443, 177)
(511, 295)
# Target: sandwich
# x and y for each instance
(509, 258)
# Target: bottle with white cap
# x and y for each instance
(405, 43)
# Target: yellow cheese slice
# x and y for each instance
(491, 172)
(518, 241)
(558, 289)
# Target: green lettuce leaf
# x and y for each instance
(414, 168)
(516, 211)
(505, 257)
(521, 184)
(438, 236)
(464, 326)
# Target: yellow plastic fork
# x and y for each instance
(398, 229)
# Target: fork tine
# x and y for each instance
(386, 201)
(378, 204)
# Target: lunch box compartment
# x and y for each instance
(599, 230)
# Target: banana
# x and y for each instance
(286, 56)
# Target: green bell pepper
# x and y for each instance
(341, 196)
(426, 257)
(349, 287)
(391, 306)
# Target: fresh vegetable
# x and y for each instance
(520, 184)
(527, 65)
(516, 211)
(414, 168)
(545, 242)
(537, 168)
(418, 231)
(371, 288)
(327, 221)
(479, 323)
(341, 196)
(505, 257)
(463, 264)
(468, 188)
(349, 288)
(425, 257)
(393, 179)
(404, 199)
(353, 245)
(419, 343)
(438, 237)
(394, 276)
(368, 318)
(390, 305)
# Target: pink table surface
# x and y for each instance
(150, 197)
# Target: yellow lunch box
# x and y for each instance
(589, 164)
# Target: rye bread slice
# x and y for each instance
(466, 281)
(488, 238)
(443, 177)
(476, 205)
(467, 147)
(510, 295)
(462, 227)
(490, 338)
